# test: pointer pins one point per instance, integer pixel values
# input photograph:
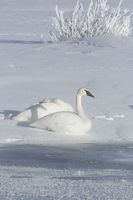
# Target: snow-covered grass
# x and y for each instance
(99, 20)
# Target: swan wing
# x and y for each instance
(58, 102)
(42, 109)
(29, 114)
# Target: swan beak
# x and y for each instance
(89, 94)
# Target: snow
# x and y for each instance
(36, 164)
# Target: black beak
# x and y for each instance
(89, 94)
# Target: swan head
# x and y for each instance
(84, 92)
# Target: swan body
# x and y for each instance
(65, 121)
(41, 109)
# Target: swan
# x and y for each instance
(41, 109)
(66, 121)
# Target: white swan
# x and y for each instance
(67, 122)
(41, 109)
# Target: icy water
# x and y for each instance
(81, 171)
(96, 156)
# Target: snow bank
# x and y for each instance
(31, 71)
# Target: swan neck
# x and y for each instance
(80, 110)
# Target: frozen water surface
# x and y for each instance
(87, 171)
